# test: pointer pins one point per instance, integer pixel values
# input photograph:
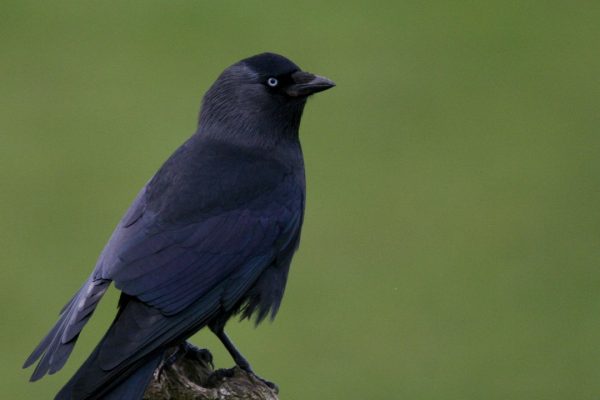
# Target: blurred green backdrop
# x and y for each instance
(451, 242)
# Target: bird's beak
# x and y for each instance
(306, 84)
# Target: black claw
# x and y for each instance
(270, 384)
(167, 362)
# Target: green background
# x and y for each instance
(451, 241)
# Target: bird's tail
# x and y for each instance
(121, 365)
(123, 387)
(54, 349)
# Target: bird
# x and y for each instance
(210, 236)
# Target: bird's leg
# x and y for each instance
(234, 352)
(239, 359)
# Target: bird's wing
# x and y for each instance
(169, 268)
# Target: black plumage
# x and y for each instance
(211, 235)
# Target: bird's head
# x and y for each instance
(264, 93)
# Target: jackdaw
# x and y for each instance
(211, 235)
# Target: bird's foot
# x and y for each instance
(270, 384)
(199, 354)
(185, 350)
(224, 373)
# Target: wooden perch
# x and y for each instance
(188, 374)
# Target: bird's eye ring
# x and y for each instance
(272, 82)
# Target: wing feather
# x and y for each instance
(170, 269)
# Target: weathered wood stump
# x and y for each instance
(188, 374)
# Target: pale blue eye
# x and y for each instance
(272, 82)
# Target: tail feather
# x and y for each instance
(55, 348)
(130, 385)
(133, 388)
(135, 341)
(44, 343)
(85, 306)
(46, 353)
